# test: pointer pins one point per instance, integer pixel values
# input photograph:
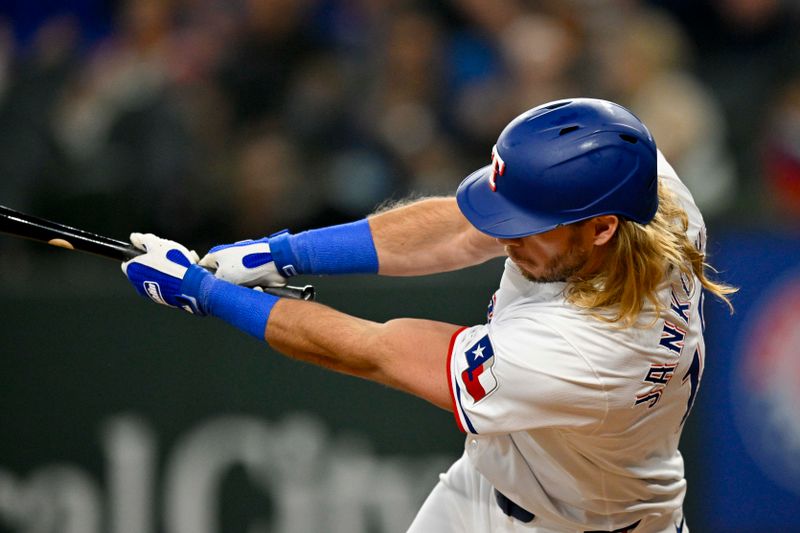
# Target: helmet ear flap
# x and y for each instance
(560, 163)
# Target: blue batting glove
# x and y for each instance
(248, 263)
(158, 274)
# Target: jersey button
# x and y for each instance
(473, 445)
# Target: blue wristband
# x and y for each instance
(342, 249)
(244, 308)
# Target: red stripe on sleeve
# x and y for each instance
(450, 378)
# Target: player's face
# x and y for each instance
(555, 255)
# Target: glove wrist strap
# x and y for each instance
(343, 249)
(243, 308)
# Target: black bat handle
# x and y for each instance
(306, 292)
(39, 229)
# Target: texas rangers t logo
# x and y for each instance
(478, 378)
(498, 168)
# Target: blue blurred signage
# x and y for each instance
(751, 391)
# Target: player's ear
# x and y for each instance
(604, 228)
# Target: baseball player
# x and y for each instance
(574, 392)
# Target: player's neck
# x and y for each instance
(594, 263)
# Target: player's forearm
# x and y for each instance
(426, 237)
(322, 336)
(406, 354)
(423, 237)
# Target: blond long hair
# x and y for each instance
(639, 259)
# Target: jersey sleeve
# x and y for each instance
(521, 376)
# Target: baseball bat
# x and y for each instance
(38, 229)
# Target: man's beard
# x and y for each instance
(563, 266)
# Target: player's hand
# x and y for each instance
(247, 263)
(158, 273)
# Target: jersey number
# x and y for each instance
(693, 376)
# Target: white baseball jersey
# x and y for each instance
(573, 419)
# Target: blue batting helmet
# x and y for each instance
(563, 162)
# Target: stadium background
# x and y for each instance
(209, 121)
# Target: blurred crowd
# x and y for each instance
(208, 121)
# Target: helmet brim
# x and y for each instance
(491, 213)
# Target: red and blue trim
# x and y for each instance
(455, 390)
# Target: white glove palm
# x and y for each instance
(247, 263)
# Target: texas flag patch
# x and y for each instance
(478, 379)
